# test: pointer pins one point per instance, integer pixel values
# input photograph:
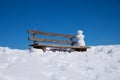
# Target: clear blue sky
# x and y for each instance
(99, 19)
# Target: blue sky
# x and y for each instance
(99, 19)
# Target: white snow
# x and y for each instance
(80, 38)
(98, 63)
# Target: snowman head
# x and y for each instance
(80, 32)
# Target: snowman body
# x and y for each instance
(80, 38)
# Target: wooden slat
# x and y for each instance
(49, 40)
(50, 34)
(58, 46)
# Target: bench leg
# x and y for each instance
(41, 47)
(44, 49)
(80, 50)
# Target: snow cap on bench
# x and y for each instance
(80, 38)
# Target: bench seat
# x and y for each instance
(74, 48)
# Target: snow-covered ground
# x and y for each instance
(98, 63)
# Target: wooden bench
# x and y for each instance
(41, 43)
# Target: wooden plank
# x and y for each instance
(50, 34)
(49, 40)
(58, 46)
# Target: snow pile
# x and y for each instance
(80, 38)
(98, 63)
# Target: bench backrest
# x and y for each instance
(36, 39)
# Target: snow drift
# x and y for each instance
(98, 63)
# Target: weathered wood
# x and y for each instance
(58, 46)
(72, 44)
(40, 47)
(55, 47)
(74, 48)
(49, 40)
(50, 34)
(34, 35)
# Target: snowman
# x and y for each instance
(80, 38)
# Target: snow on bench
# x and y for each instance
(40, 43)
